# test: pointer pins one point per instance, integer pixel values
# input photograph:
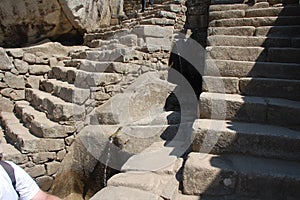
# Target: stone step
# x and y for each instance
(243, 12)
(86, 79)
(23, 140)
(257, 54)
(98, 42)
(124, 193)
(62, 73)
(291, 10)
(243, 6)
(232, 68)
(220, 136)
(10, 153)
(165, 186)
(287, 55)
(229, 174)
(56, 109)
(249, 41)
(65, 91)
(257, 21)
(236, 31)
(116, 55)
(278, 31)
(262, 87)
(250, 109)
(96, 66)
(38, 123)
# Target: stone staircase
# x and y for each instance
(162, 13)
(246, 142)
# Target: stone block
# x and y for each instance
(45, 182)
(13, 81)
(13, 94)
(237, 53)
(15, 52)
(36, 171)
(29, 57)
(148, 181)
(129, 40)
(5, 62)
(42, 157)
(233, 107)
(238, 31)
(272, 31)
(124, 193)
(158, 44)
(52, 167)
(287, 55)
(226, 14)
(152, 31)
(6, 105)
(228, 85)
(39, 69)
(21, 66)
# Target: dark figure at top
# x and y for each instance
(144, 4)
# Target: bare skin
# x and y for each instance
(44, 196)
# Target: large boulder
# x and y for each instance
(29, 21)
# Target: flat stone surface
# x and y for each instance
(215, 15)
(287, 55)
(219, 136)
(228, 174)
(163, 185)
(232, 68)
(247, 41)
(268, 87)
(256, 21)
(124, 193)
(156, 158)
(5, 62)
(229, 85)
(232, 106)
(272, 31)
(237, 53)
(237, 31)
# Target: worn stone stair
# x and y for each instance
(246, 138)
(23, 140)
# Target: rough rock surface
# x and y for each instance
(30, 21)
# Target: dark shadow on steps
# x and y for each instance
(269, 87)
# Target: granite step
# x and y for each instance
(56, 108)
(257, 21)
(99, 42)
(245, 11)
(116, 55)
(10, 153)
(249, 41)
(220, 136)
(86, 79)
(96, 66)
(65, 91)
(67, 74)
(269, 31)
(262, 87)
(250, 109)
(287, 55)
(165, 186)
(290, 10)
(257, 54)
(278, 31)
(232, 68)
(236, 31)
(38, 123)
(229, 174)
(237, 6)
(23, 140)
